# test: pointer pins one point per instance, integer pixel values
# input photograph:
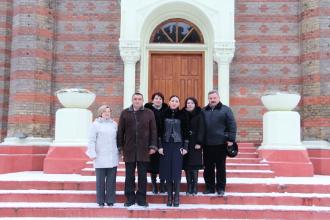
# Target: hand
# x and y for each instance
(161, 151)
(183, 151)
(229, 143)
(197, 146)
(152, 151)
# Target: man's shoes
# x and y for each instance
(128, 204)
(221, 192)
(144, 204)
(208, 191)
(109, 204)
(101, 205)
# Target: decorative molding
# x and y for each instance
(130, 51)
(223, 52)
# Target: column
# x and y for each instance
(30, 90)
(130, 53)
(223, 55)
(30, 95)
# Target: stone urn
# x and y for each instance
(75, 98)
(280, 101)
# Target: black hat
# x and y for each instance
(232, 150)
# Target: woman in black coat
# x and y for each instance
(158, 107)
(192, 162)
(174, 141)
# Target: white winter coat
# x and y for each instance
(102, 143)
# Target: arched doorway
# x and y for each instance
(177, 72)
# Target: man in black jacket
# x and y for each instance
(220, 132)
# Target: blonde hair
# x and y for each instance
(102, 109)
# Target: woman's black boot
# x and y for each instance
(169, 186)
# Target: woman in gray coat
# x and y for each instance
(102, 149)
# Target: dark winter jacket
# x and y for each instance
(220, 125)
(196, 130)
(158, 114)
(175, 126)
(137, 134)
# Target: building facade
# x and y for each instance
(243, 48)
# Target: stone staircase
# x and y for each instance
(253, 192)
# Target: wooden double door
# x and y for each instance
(180, 74)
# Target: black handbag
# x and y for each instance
(232, 150)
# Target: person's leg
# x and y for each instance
(154, 183)
(169, 186)
(221, 171)
(195, 182)
(100, 186)
(130, 183)
(188, 179)
(209, 167)
(111, 186)
(162, 186)
(142, 183)
(192, 182)
(176, 172)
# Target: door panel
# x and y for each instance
(177, 74)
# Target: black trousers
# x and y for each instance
(106, 185)
(215, 157)
(140, 195)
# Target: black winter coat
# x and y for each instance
(220, 125)
(193, 160)
(184, 132)
(154, 158)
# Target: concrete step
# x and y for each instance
(82, 196)
(78, 182)
(230, 173)
(162, 211)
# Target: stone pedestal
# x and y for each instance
(67, 152)
(281, 146)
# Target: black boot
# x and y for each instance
(154, 183)
(188, 178)
(176, 200)
(195, 182)
(162, 186)
(169, 186)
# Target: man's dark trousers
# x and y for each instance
(215, 157)
(140, 196)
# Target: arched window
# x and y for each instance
(176, 31)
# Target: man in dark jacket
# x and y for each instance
(137, 138)
(220, 132)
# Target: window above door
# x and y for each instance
(176, 31)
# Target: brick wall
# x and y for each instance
(266, 59)
(5, 44)
(87, 52)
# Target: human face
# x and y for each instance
(137, 101)
(157, 101)
(214, 99)
(106, 114)
(174, 103)
(190, 105)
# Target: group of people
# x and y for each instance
(162, 139)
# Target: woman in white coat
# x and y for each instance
(102, 149)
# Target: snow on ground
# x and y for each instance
(154, 206)
(40, 176)
(236, 194)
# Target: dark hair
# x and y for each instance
(157, 94)
(192, 99)
(173, 97)
(137, 93)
